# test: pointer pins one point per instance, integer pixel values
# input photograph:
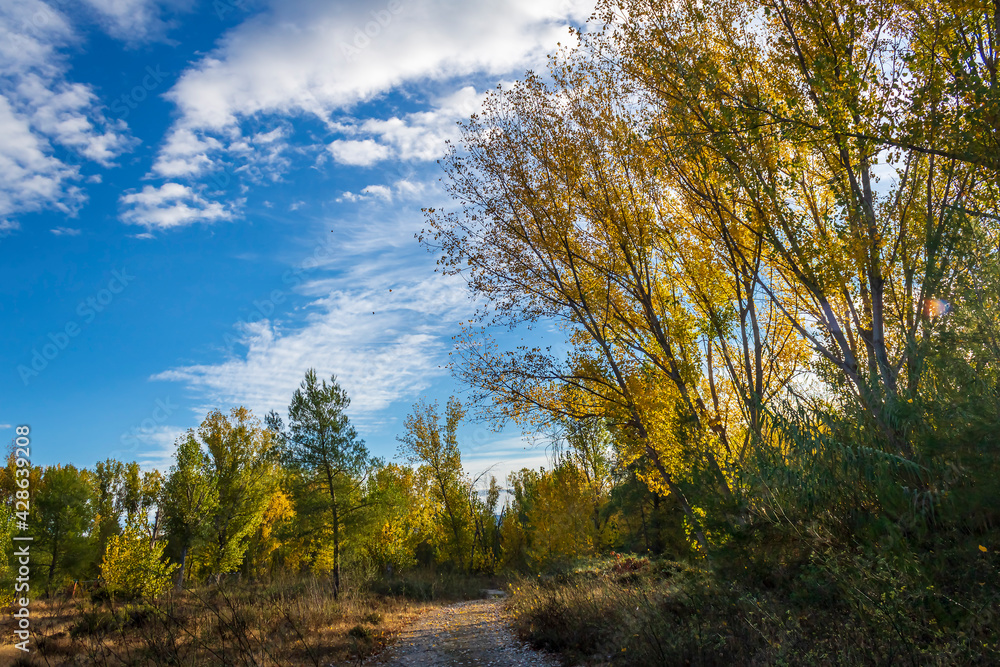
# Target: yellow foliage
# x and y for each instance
(135, 568)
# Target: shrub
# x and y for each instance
(134, 568)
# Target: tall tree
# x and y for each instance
(242, 457)
(783, 148)
(63, 512)
(324, 447)
(107, 481)
(565, 217)
(436, 452)
(190, 497)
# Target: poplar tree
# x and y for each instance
(190, 496)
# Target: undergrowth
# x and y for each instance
(856, 609)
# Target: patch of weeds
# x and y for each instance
(93, 622)
(361, 632)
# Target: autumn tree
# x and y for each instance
(401, 521)
(190, 497)
(132, 567)
(242, 459)
(815, 149)
(589, 447)
(262, 557)
(694, 194)
(107, 482)
(566, 218)
(468, 534)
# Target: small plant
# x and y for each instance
(373, 618)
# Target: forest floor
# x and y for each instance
(465, 633)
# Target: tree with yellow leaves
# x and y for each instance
(241, 462)
(800, 129)
(567, 218)
(133, 565)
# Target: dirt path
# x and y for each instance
(467, 633)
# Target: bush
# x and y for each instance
(133, 568)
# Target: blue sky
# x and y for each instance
(201, 200)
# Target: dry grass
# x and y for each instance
(294, 622)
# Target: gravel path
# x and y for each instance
(467, 633)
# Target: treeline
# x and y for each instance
(302, 494)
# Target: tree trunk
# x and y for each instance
(336, 530)
(180, 575)
(336, 551)
(52, 567)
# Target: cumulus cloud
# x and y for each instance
(318, 59)
(66, 231)
(41, 110)
(282, 61)
(30, 178)
(419, 136)
(362, 153)
(401, 189)
(170, 205)
(185, 154)
(59, 110)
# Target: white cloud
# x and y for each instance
(291, 59)
(359, 153)
(4, 426)
(59, 110)
(185, 154)
(383, 346)
(483, 450)
(40, 110)
(421, 135)
(407, 188)
(401, 189)
(134, 21)
(66, 231)
(311, 58)
(170, 205)
(366, 307)
(379, 191)
(30, 178)
(152, 447)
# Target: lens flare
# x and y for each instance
(936, 307)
